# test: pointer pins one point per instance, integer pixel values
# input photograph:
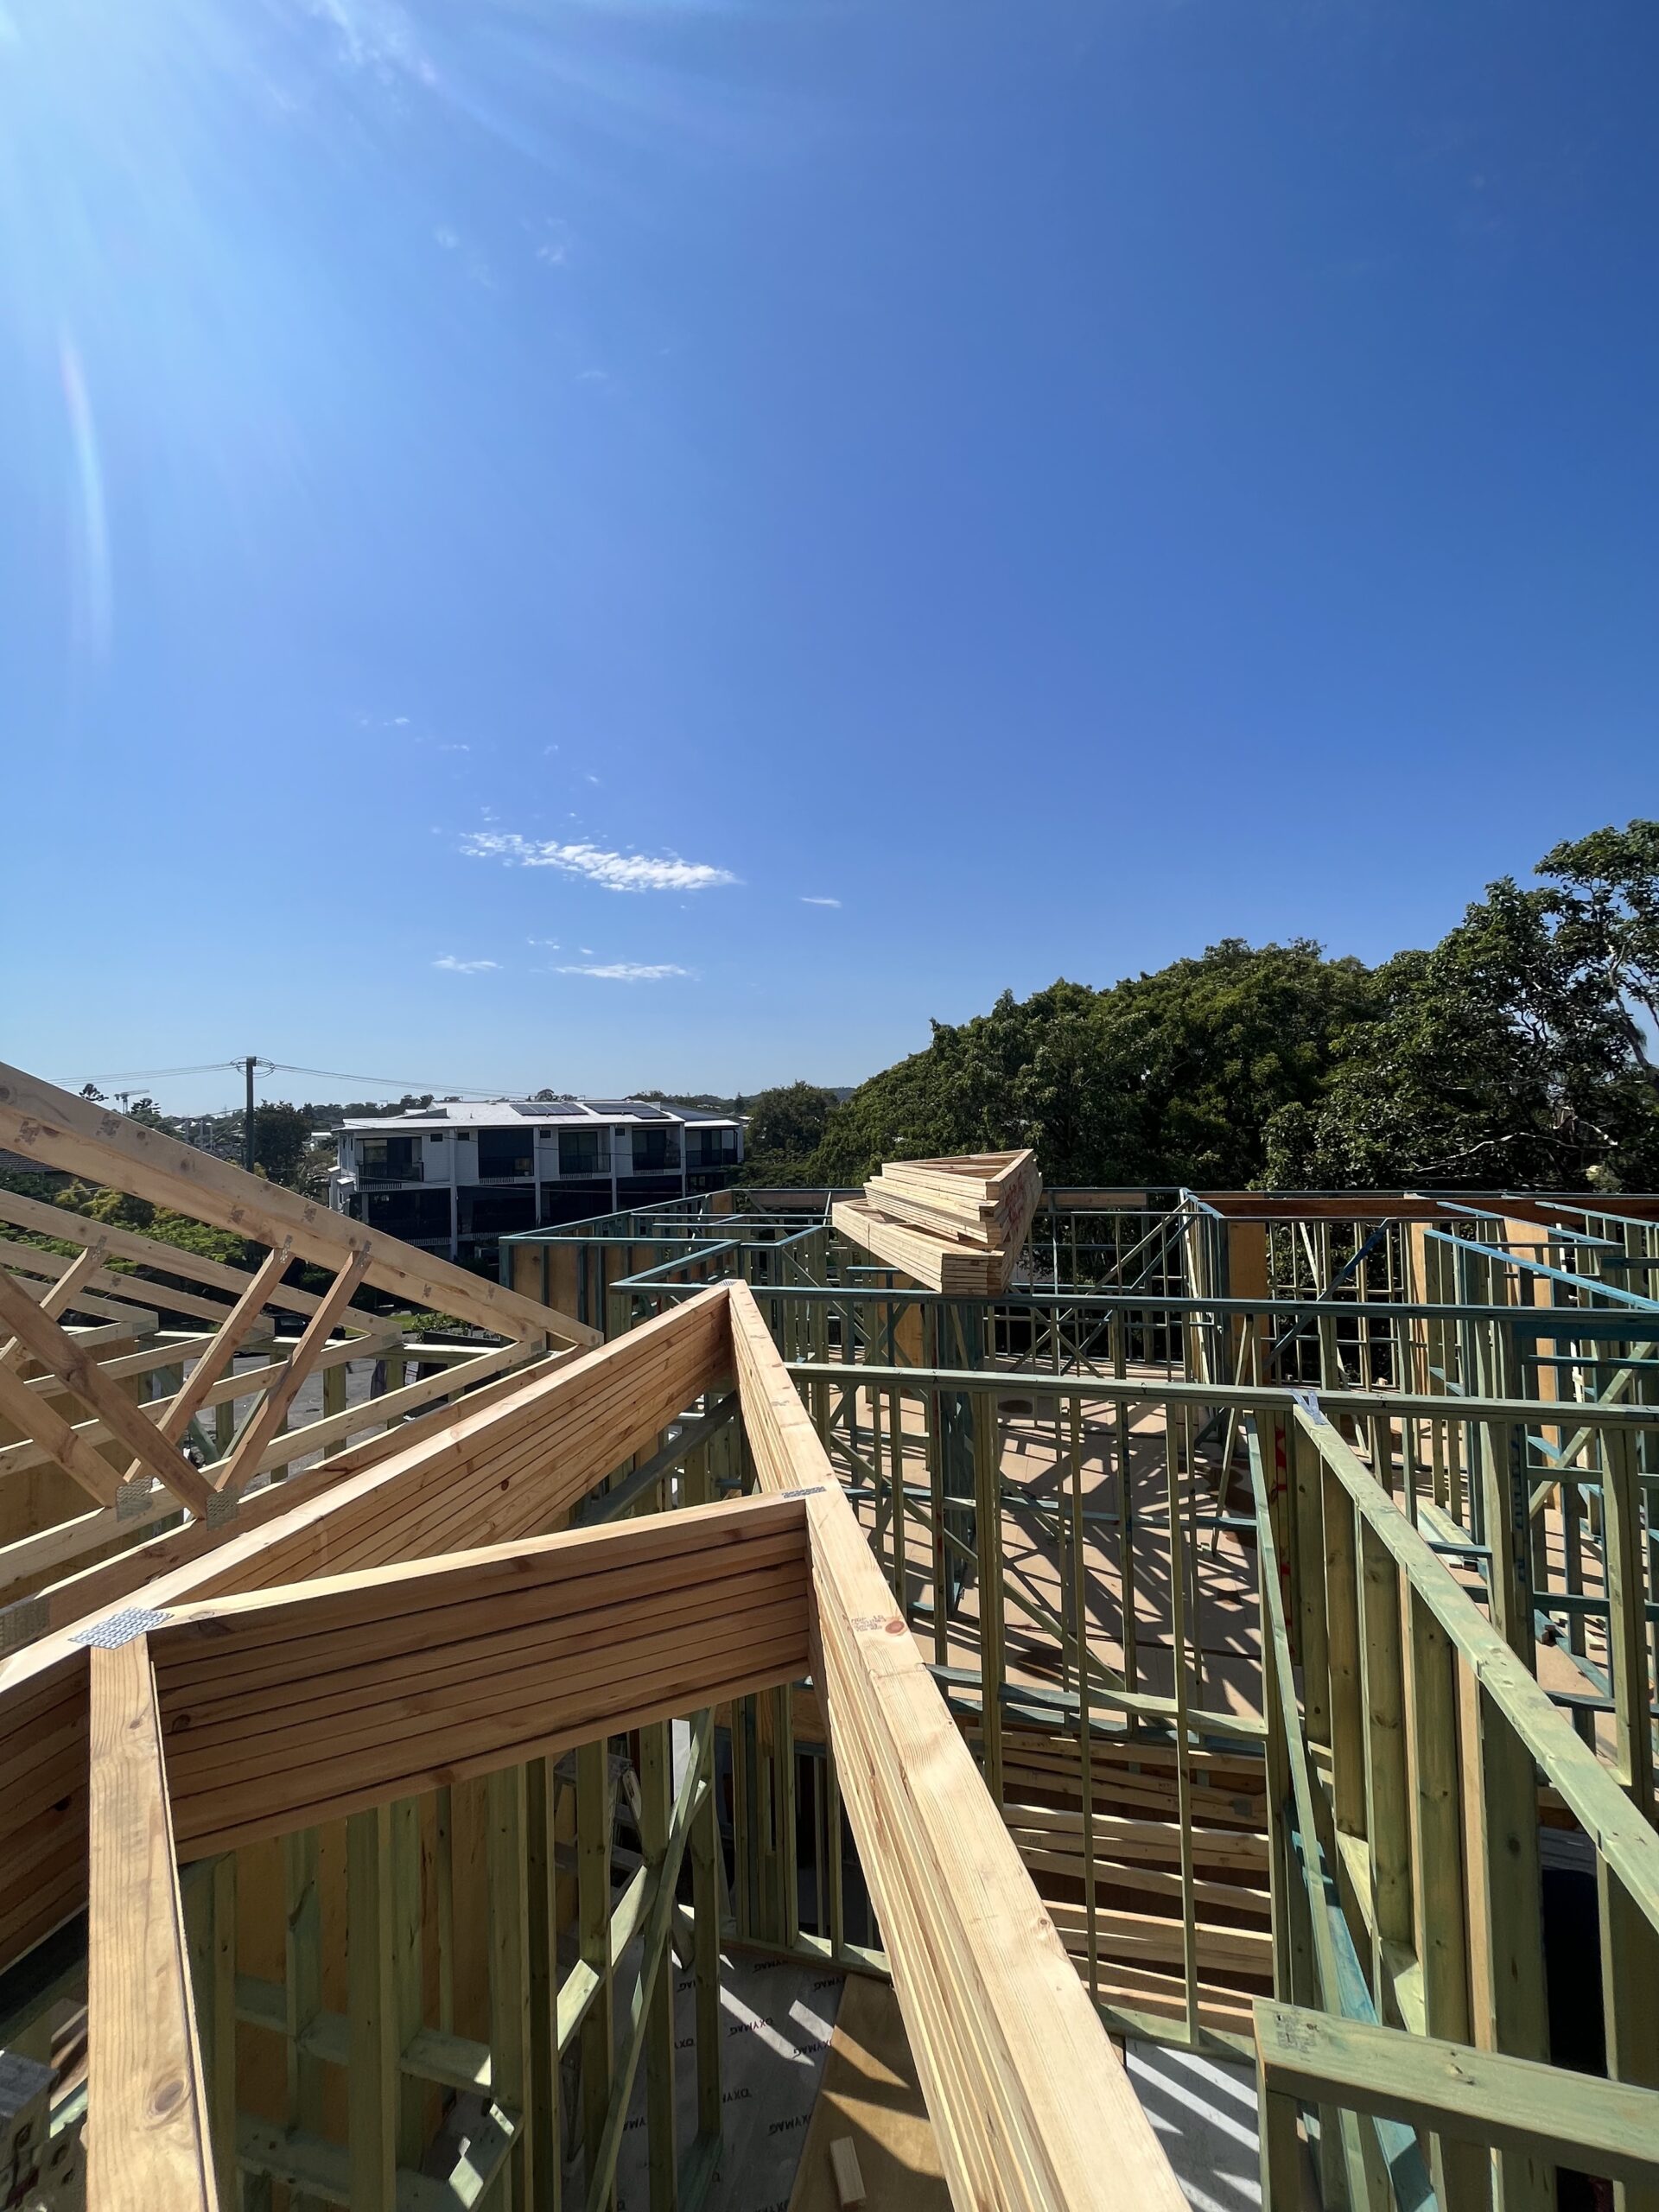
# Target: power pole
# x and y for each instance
(248, 1067)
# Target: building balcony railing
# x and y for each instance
(590, 1167)
(392, 1171)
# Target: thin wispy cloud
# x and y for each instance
(553, 242)
(627, 971)
(378, 35)
(451, 966)
(616, 871)
(808, 900)
(450, 241)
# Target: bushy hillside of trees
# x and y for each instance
(1518, 1051)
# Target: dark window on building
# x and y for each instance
(574, 1201)
(390, 1160)
(711, 1149)
(645, 1191)
(584, 1152)
(496, 1213)
(503, 1153)
(420, 1216)
(655, 1151)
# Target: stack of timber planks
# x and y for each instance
(957, 1225)
(283, 1708)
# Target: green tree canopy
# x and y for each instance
(1163, 1078)
(1518, 1050)
(785, 1127)
(280, 1136)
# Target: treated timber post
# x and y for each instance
(1343, 1643)
(541, 1923)
(1388, 1820)
(1628, 1640)
(1460, 2170)
(1630, 1997)
(510, 2028)
(593, 1916)
(988, 1484)
(208, 1892)
(1507, 1960)
(371, 2012)
(334, 1402)
(656, 1792)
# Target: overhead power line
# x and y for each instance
(403, 1082)
(157, 1075)
(331, 1075)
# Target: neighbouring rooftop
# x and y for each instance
(504, 1113)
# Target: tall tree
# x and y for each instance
(1164, 1079)
(281, 1134)
(1516, 1052)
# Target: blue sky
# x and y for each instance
(838, 507)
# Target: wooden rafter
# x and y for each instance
(268, 1414)
(40, 1281)
(48, 1341)
(280, 1702)
(48, 1431)
(60, 1298)
(490, 1472)
(48, 1126)
(59, 1548)
(46, 1220)
(189, 1401)
(122, 1289)
(223, 1389)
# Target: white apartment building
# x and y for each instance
(456, 1177)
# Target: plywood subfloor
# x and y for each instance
(871, 2097)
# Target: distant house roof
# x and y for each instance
(507, 1112)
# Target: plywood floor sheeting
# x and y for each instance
(870, 2097)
